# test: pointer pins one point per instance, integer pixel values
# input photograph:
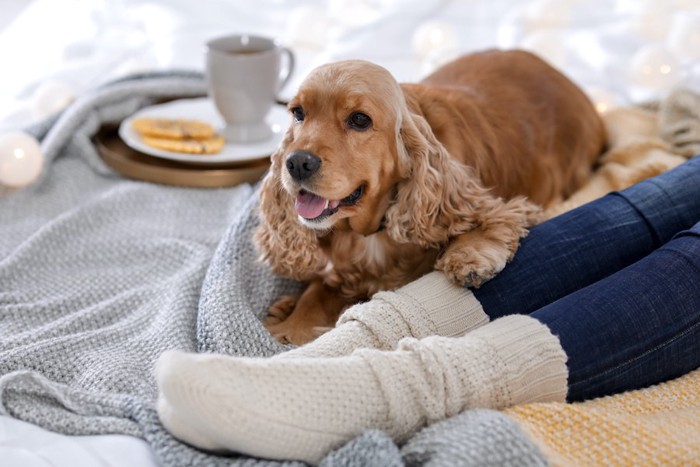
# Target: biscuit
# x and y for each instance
(189, 146)
(173, 128)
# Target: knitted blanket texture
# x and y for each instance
(658, 425)
(99, 274)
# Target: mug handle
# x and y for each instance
(285, 77)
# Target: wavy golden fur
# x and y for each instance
(448, 173)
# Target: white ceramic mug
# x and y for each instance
(244, 75)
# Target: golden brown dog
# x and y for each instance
(376, 183)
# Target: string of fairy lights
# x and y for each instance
(662, 40)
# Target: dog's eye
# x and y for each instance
(359, 121)
(298, 113)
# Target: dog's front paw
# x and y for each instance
(288, 332)
(471, 267)
(288, 327)
(280, 310)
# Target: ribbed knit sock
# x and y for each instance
(431, 305)
(304, 407)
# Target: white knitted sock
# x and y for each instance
(302, 408)
(431, 305)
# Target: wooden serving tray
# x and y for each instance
(134, 164)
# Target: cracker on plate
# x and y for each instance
(190, 146)
(173, 128)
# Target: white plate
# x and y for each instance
(203, 109)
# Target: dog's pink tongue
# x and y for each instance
(309, 205)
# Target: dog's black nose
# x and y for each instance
(301, 165)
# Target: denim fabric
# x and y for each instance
(637, 327)
(580, 247)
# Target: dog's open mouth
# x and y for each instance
(313, 207)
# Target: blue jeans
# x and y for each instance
(635, 328)
(599, 276)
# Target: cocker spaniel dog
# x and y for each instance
(377, 183)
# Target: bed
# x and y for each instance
(85, 66)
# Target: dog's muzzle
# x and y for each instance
(315, 208)
(302, 165)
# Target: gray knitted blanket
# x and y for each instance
(99, 274)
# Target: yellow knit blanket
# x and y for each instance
(659, 425)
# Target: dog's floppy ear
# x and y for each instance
(288, 247)
(440, 198)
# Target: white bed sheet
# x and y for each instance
(25, 445)
(57, 49)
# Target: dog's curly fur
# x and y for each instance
(452, 171)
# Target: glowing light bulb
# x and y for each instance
(603, 100)
(21, 159)
(432, 36)
(655, 67)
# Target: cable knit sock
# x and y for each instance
(431, 305)
(304, 407)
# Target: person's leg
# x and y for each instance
(559, 256)
(304, 407)
(580, 247)
(431, 305)
(638, 327)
